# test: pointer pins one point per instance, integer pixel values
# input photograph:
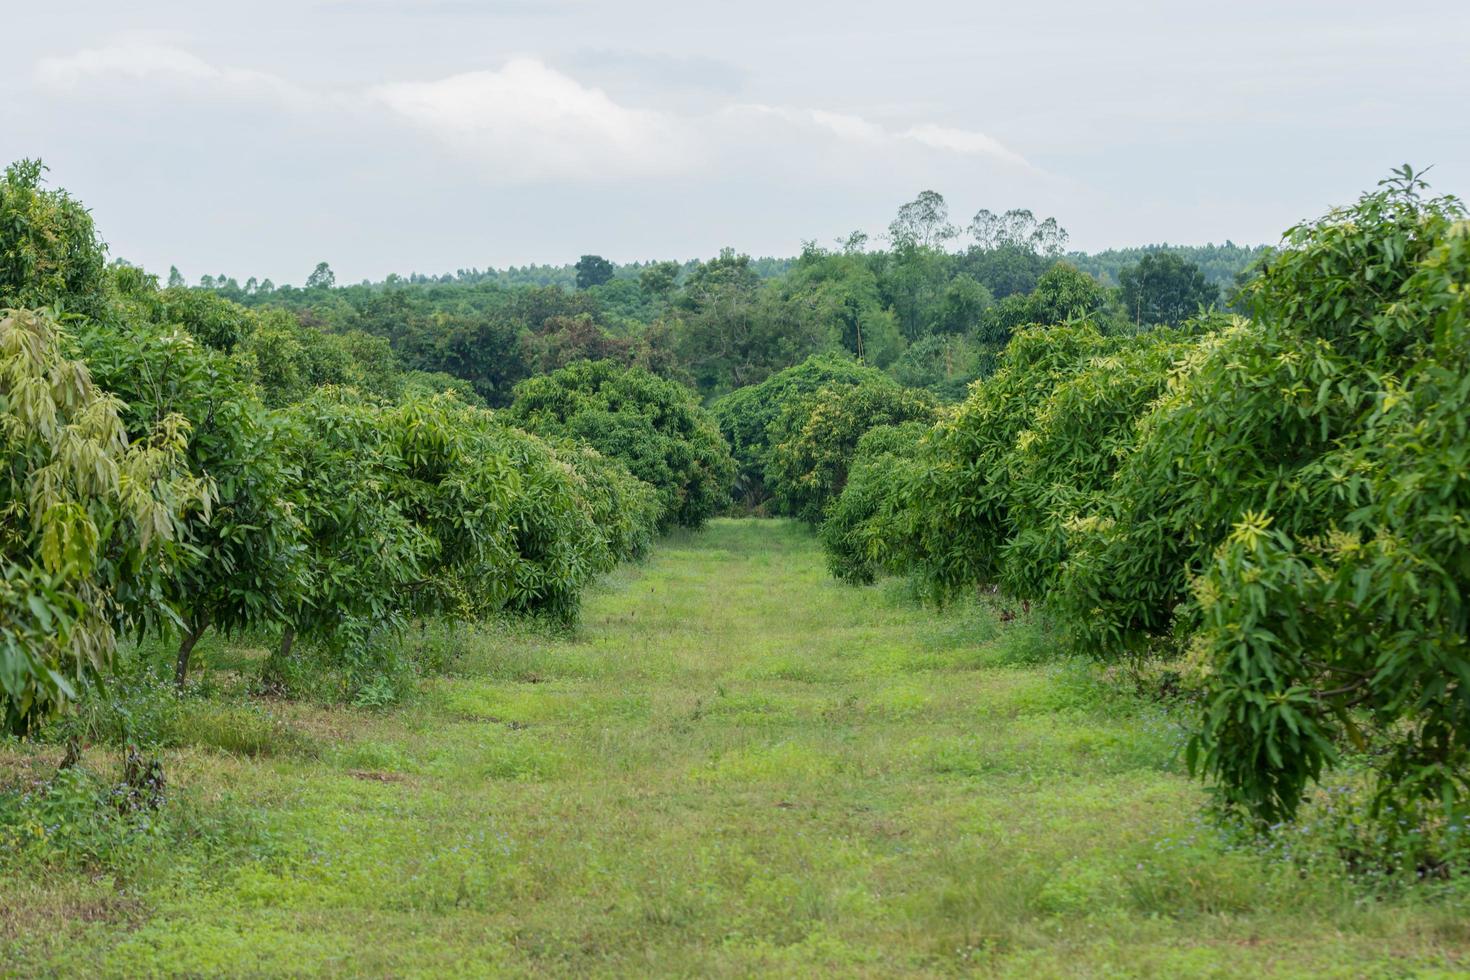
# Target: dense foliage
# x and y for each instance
(182, 463)
(653, 426)
(1273, 507)
(1164, 288)
(745, 415)
(49, 253)
(815, 436)
(855, 531)
(1281, 502)
(85, 514)
(238, 566)
(932, 306)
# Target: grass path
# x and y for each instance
(736, 767)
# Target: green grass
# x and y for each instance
(735, 767)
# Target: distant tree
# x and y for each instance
(658, 278)
(1062, 294)
(746, 414)
(1004, 270)
(830, 290)
(322, 276)
(815, 436)
(912, 281)
(655, 427)
(854, 243)
(1165, 289)
(734, 332)
(964, 303)
(1049, 238)
(563, 340)
(922, 222)
(1017, 229)
(210, 319)
(175, 278)
(593, 270)
(251, 285)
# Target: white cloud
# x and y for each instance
(531, 121)
(141, 60)
(964, 141)
(853, 128)
(523, 122)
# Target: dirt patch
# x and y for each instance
(376, 777)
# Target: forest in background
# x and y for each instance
(932, 305)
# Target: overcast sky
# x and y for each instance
(429, 135)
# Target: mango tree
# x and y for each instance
(86, 517)
(239, 565)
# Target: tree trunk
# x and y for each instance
(288, 638)
(186, 647)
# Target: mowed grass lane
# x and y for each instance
(736, 766)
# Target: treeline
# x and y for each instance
(932, 309)
(1269, 518)
(1220, 264)
(178, 463)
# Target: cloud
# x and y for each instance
(846, 126)
(141, 60)
(964, 141)
(525, 121)
(856, 129)
(532, 121)
(661, 72)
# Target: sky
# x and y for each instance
(257, 139)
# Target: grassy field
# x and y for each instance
(735, 767)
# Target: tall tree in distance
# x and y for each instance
(1165, 289)
(593, 270)
(1017, 229)
(321, 277)
(659, 278)
(922, 223)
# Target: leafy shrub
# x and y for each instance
(359, 551)
(49, 252)
(815, 436)
(210, 319)
(84, 515)
(1246, 423)
(945, 364)
(1062, 295)
(653, 426)
(745, 414)
(239, 567)
(624, 509)
(1064, 461)
(852, 534)
(72, 820)
(556, 547)
(1335, 611)
(951, 517)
